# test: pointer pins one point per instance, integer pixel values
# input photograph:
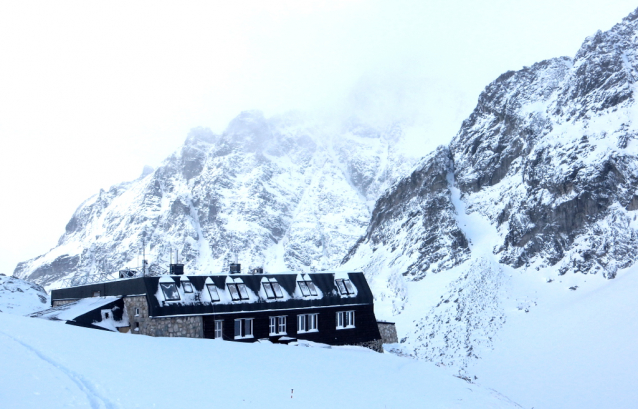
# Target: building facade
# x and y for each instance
(325, 307)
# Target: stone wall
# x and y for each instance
(388, 332)
(376, 345)
(191, 327)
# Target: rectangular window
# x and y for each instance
(238, 291)
(311, 286)
(349, 319)
(307, 288)
(188, 287)
(277, 288)
(345, 287)
(233, 292)
(278, 325)
(273, 290)
(219, 325)
(137, 327)
(243, 328)
(349, 286)
(269, 291)
(304, 288)
(137, 312)
(212, 291)
(301, 323)
(313, 322)
(243, 292)
(307, 322)
(345, 319)
(170, 291)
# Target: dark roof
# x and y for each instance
(199, 302)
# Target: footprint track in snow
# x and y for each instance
(96, 400)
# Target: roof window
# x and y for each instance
(238, 291)
(273, 289)
(212, 291)
(345, 286)
(187, 286)
(307, 288)
(170, 291)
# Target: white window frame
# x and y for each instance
(307, 323)
(187, 287)
(137, 311)
(242, 328)
(219, 329)
(313, 323)
(278, 325)
(345, 319)
(301, 323)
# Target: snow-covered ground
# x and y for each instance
(573, 349)
(21, 297)
(48, 364)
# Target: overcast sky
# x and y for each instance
(90, 92)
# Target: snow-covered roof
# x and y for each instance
(71, 311)
(167, 296)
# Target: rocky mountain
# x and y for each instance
(540, 181)
(288, 192)
(533, 201)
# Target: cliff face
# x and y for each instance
(549, 156)
(283, 193)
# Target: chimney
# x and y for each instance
(177, 269)
(235, 268)
(258, 270)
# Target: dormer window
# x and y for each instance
(212, 291)
(238, 291)
(170, 291)
(273, 290)
(188, 287)
(307, 288)
(345, 287)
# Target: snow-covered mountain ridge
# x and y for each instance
(541, 183)
(284, 193)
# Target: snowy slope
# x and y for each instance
(542, 185)
(287, 192)
(78, 367)
(21, 297)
